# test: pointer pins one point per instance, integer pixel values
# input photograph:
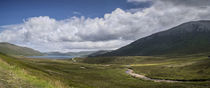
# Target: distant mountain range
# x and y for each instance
(11, 49)
(81, 54)
(100, 52)
(187, 38)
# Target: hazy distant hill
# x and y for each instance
(188, 38)
(100, 52)
(82, 53)
(12, 49)
(55, 53)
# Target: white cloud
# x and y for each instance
(139, 0)
(114, 30)
(76, 13)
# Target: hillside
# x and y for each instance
(12, 75)
(188, 38)
(100, 52)
(12, 49)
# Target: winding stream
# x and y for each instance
(131, 72)
(135, 75)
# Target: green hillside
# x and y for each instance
(188, 38)
(12, 49)
(12, 75)
(100, 52)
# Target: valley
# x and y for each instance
(175, 58)
(105, 44)
(99, 73)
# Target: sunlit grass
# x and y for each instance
(20, 78)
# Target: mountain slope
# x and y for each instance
(188, 38)
(100, 52)
(12, 49)
(81, 53)
(14, 75)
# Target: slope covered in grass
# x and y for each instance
(12, 76)
(12, 49)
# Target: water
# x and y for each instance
(53, 57)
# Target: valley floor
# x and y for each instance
(106, 72)
(133, 74)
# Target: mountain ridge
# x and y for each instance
(187, 38)
(12, 49)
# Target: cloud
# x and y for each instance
(76, 13)
(138, 0)
(112, 31)
(193, 3)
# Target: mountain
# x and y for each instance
(11, 49)
(81, 53)
(188, 38)
(56, 54)
(100, 52)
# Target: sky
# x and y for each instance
(14, 11)
(87, 25)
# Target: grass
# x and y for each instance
(15, 50)
(190, 67)
(177, 69)
(102, 74)
(15, 77)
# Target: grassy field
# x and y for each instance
(16, 77)
(191, 67)
(109, 72)
(178, 69)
